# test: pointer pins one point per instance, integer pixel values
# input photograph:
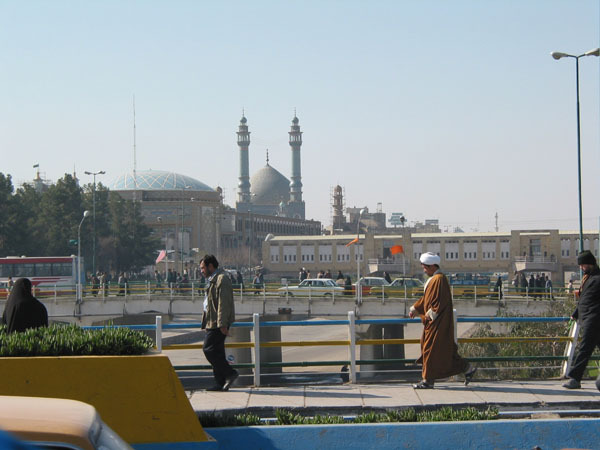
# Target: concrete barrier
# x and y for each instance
(140, 397)
(497, 434)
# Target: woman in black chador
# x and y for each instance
(23, 310)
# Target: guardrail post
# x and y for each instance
(264, 292)
(256, 339)
(192, 291)
(405, 290)
(455, 319)
(352, 348)
(570, 349)
(55, 294)
(159, 334)
(475, 290)
(527, 292)
(452, 290)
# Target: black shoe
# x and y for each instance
(469, 374)
(229, 380)
(215, 388)
(572, 384)
(423, 385)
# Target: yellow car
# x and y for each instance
(57, 423)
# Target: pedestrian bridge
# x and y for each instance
(93, 309)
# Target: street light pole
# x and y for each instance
(79, 290)
(357, 253)
(100, 172)
(557, 56)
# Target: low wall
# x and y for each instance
(140, 397)
(497, 434)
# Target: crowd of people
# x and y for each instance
(538, 285)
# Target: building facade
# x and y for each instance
(553, 252)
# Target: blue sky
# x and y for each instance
(438, 109)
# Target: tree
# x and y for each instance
(130, 245)
(8, 216)
(28, 236)
(59, 216)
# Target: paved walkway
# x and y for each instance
(353, 399)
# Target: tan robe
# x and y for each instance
(439, 352)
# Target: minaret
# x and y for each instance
(243, 140)
(296, 184)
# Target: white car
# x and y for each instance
(314, 287)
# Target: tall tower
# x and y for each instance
(243, 141)
(296, 204)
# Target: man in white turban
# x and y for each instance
(439, 352)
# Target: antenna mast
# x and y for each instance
(134, 157)
(496, 216)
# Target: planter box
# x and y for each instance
(140, 397)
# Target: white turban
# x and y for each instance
(430, 259)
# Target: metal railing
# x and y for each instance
(352, 342)
(195, 290)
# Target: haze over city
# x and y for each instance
(441, 110)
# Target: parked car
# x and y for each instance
(57, 423)
(413, 287)
(408, 282)
(372, 285)
(314, 287)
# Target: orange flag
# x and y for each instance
(396, 249)
(353, 241)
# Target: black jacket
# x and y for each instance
(588, 306)
(22, 309)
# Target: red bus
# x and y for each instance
(45, 272)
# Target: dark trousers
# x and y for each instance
(590, 338)
(214, 350)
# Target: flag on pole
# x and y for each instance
(353, 241)
(396, 249)
(36, 165)
(161, 256)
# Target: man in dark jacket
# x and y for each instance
(23, 310)
(588, 314)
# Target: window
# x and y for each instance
(488, 249)
(343, 253)
(274, 254)
(417, 249)
(325, 253)
(308, 253)
(451, 248)
(504, 249)
(289, 254)
(470, 250)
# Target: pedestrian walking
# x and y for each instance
(219, 314)
(587, 313)
(498, 287)
(439, 352)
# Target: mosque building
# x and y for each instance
(191, 219)
(269, 192)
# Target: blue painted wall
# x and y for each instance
(498, 434)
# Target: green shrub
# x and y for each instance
(286, 417)
(72, 340)
(524, 369)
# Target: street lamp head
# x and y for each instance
(159, 219)
(362, 211)
(102, 172)
(87, 173)
(595, 52)
(558, 55)
(86, 213)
